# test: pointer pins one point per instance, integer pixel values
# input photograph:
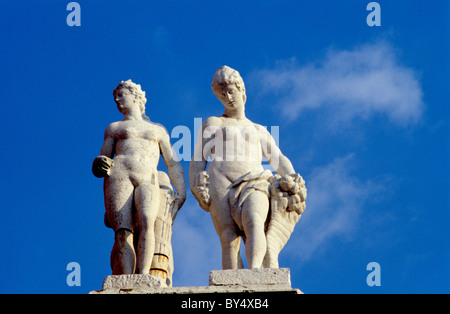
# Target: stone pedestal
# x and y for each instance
(243, 281)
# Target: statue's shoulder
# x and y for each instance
(260, 128)
(159, 128)
(254, 124)
(213, 121)
(113, 127)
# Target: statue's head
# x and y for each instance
(129, 93)
(229, 88)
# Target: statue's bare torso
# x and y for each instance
(136, 146)
(238, 149)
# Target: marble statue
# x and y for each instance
(140, 203)
(244, 201)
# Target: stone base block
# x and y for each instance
(133, 282)
(220, 281)
(251, 277)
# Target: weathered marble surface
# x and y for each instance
(279, 277)
(140, 202)
(244, 201)
(221, 281)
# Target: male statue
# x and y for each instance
(236, 190)
(128, 162)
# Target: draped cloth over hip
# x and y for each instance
(243, 187)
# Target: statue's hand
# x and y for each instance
(101, 166)
(201, 184)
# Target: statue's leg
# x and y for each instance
(119, 204)
(254, 214)
(123, 257)
(147, 208)
(228, 234)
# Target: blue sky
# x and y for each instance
(362, 111)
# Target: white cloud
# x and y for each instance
(335, 204)
(348, 84)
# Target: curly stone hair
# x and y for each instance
(135, 90)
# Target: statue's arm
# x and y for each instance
(108, 148)
(103, 163)
(198, 177)
(176, 172)
(200, 191)
(280, 163)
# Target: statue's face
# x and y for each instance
(125, 100)
(231, 97)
